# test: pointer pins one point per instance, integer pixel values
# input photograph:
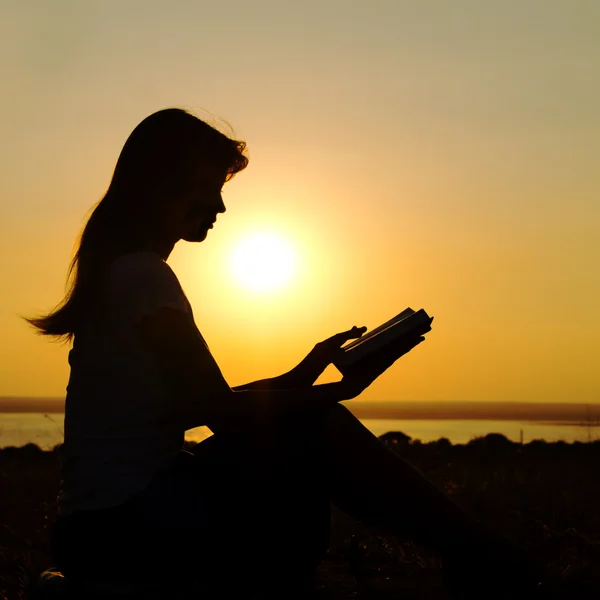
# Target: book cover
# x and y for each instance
(406, 323)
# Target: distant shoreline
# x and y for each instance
(410, 410)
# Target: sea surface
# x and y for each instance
(46, 430)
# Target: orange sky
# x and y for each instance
(441, 156)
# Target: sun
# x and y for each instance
(263, 262)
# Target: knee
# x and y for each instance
(285, 439)
(315, 433)
(340, 409)
(325, 422)
(334, 417)
(319, 426)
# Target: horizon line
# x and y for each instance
(493, 410)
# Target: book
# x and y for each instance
(408, 323)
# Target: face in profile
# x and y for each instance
(199, 205)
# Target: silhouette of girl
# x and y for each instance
(249, 507)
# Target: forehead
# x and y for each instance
(209, 173)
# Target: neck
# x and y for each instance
(162, 247)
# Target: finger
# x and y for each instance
(340, 338)
(355, 332)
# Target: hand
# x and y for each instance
(361, 375)
(321, 356)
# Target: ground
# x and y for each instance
(544, 495)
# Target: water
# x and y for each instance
(18, 429)
(460, 432)
(46, 430)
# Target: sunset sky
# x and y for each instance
(432, 154)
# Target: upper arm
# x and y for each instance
(145, 296)
(190, 372)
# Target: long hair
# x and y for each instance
(158, 159)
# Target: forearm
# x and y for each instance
(302, 376)
(241, 408)
(293, 399)
(281, 382)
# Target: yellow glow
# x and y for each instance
(427, 189)
(263, 262)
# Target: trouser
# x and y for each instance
(251, 505)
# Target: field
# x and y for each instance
(547, 496)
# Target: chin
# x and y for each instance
(197, 236)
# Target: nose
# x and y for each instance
(221, 205)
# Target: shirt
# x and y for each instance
(116, 436)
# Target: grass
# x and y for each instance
(545, 495)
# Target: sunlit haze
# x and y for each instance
(438, 155)
(263, 262)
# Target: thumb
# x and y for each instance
(355, 332)
(341, 338)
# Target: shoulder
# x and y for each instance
(144, 281)
(139, 262)
(138, 268)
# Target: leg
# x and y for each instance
(365, 479)
(107, 544)
(268, 513)
(280, 471)
(373, 484)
